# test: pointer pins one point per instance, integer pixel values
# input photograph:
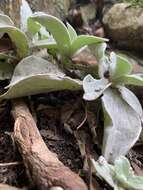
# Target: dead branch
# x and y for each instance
(43, 167)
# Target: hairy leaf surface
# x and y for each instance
(56, 28)
(48, 43)
(17, 36)
(35, 75)
(94, 88)
(125, 175)
(131, 99)
(72, 32)
(119, 66)
(84, 40)
(136, 80)
(122, 125)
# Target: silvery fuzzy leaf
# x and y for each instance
(25, 12)
(26, 24)
(113, 63)
(98, 50)
(118, 187)
(72, 32)
(134, 79)
(85, 40)
(119, 66)
(5, 20)
(17, 36)
(104, 65)
(104, 170)
(131, 99)
(57, 29)
(124, 174)
(47, 43)
(94, 88)
(34, 75)
(122, 125)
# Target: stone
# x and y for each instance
(58, 8)
(124, 26)
(88, 12)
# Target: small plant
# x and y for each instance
(62, 41)
(119, 176)
(122, 110)
(30, 74)
(63, 38)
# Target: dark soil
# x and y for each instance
(48, 115)
(51, 112)
(14, 174)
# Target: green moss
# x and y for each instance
(135, 2)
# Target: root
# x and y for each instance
(43, 167)
(7, 187)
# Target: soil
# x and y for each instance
(48, 110)
(58, 116)
(48, 114)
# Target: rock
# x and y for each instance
(88, 12)
(124, 25)
(100, 32)
(58, 8)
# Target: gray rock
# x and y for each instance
(124, 25)
(88, 12)
(58, 8)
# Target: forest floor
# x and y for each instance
(60, 117)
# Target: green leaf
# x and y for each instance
(6, 70)
(93, 88)
(35, 75)
(119, 66)
(102, 59)
(104, 170)
(136, 80)
(123, 168)
(29, 26)
(33, 26)
(122, 125)
(99, 50)
(56, 28)
(17, 36)
(84, 40)
(131, 99)
(126, 176)
(72, 32)
(48, 43)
